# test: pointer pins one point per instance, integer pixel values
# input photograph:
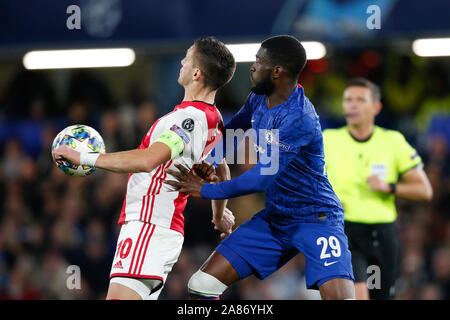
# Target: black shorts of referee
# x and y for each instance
(375, 250)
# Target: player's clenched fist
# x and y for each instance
(205, 171)
(225, 224)
(64, 153)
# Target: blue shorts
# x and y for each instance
(264, 244)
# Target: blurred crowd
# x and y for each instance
(50, 221)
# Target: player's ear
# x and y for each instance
(198, 73)
(277, 70)
(378, 107)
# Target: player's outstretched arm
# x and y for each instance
(139, 160)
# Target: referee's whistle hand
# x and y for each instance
(377, 184)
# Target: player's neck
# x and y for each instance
(361, 133)
(279, 96)
(200, 94)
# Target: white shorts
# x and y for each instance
(145, 252)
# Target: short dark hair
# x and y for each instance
(363, 82)
(286, 51)
(215, 60)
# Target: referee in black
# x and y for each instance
(368, 166)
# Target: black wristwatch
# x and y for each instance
(393, 187)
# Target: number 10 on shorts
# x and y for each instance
(331, 242)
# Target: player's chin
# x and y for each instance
(180, 79)
(252, 81)
(353, 119)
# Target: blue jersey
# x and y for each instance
(300, 188)
(297, 196)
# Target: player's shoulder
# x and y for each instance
(198, 110)
(390, 135)
(297, 108)
(187, 116)
(254, 99)
(335, 133)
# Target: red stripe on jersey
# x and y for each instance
(149, 226)
(152, 185)
(159, 180)
(161, 176)
(164, 176)
(177, 222)
(144, 144)
(136, 246)
(145, 204)
(142, 207)
(145, 250)
(151, 209)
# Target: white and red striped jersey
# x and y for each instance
(147, 198)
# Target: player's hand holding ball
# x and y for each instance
(64, 153)
(76, 148)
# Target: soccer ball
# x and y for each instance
(82, 138)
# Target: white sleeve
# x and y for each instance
(191, 126)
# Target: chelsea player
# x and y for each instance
(302, 212)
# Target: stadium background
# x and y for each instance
(49, 221)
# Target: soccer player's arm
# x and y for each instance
(171, 142)
(414, 183)
(218, 206)
(133, 161)
(293, 135)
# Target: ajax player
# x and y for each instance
(151, 220)
(302, 213)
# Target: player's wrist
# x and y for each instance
(392, 188)
(88, 159)
(220, 179)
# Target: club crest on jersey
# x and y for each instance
(188, 124)
(181, 133)
(269, 137)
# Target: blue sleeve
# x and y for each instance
(293, 134)
(250, 181)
